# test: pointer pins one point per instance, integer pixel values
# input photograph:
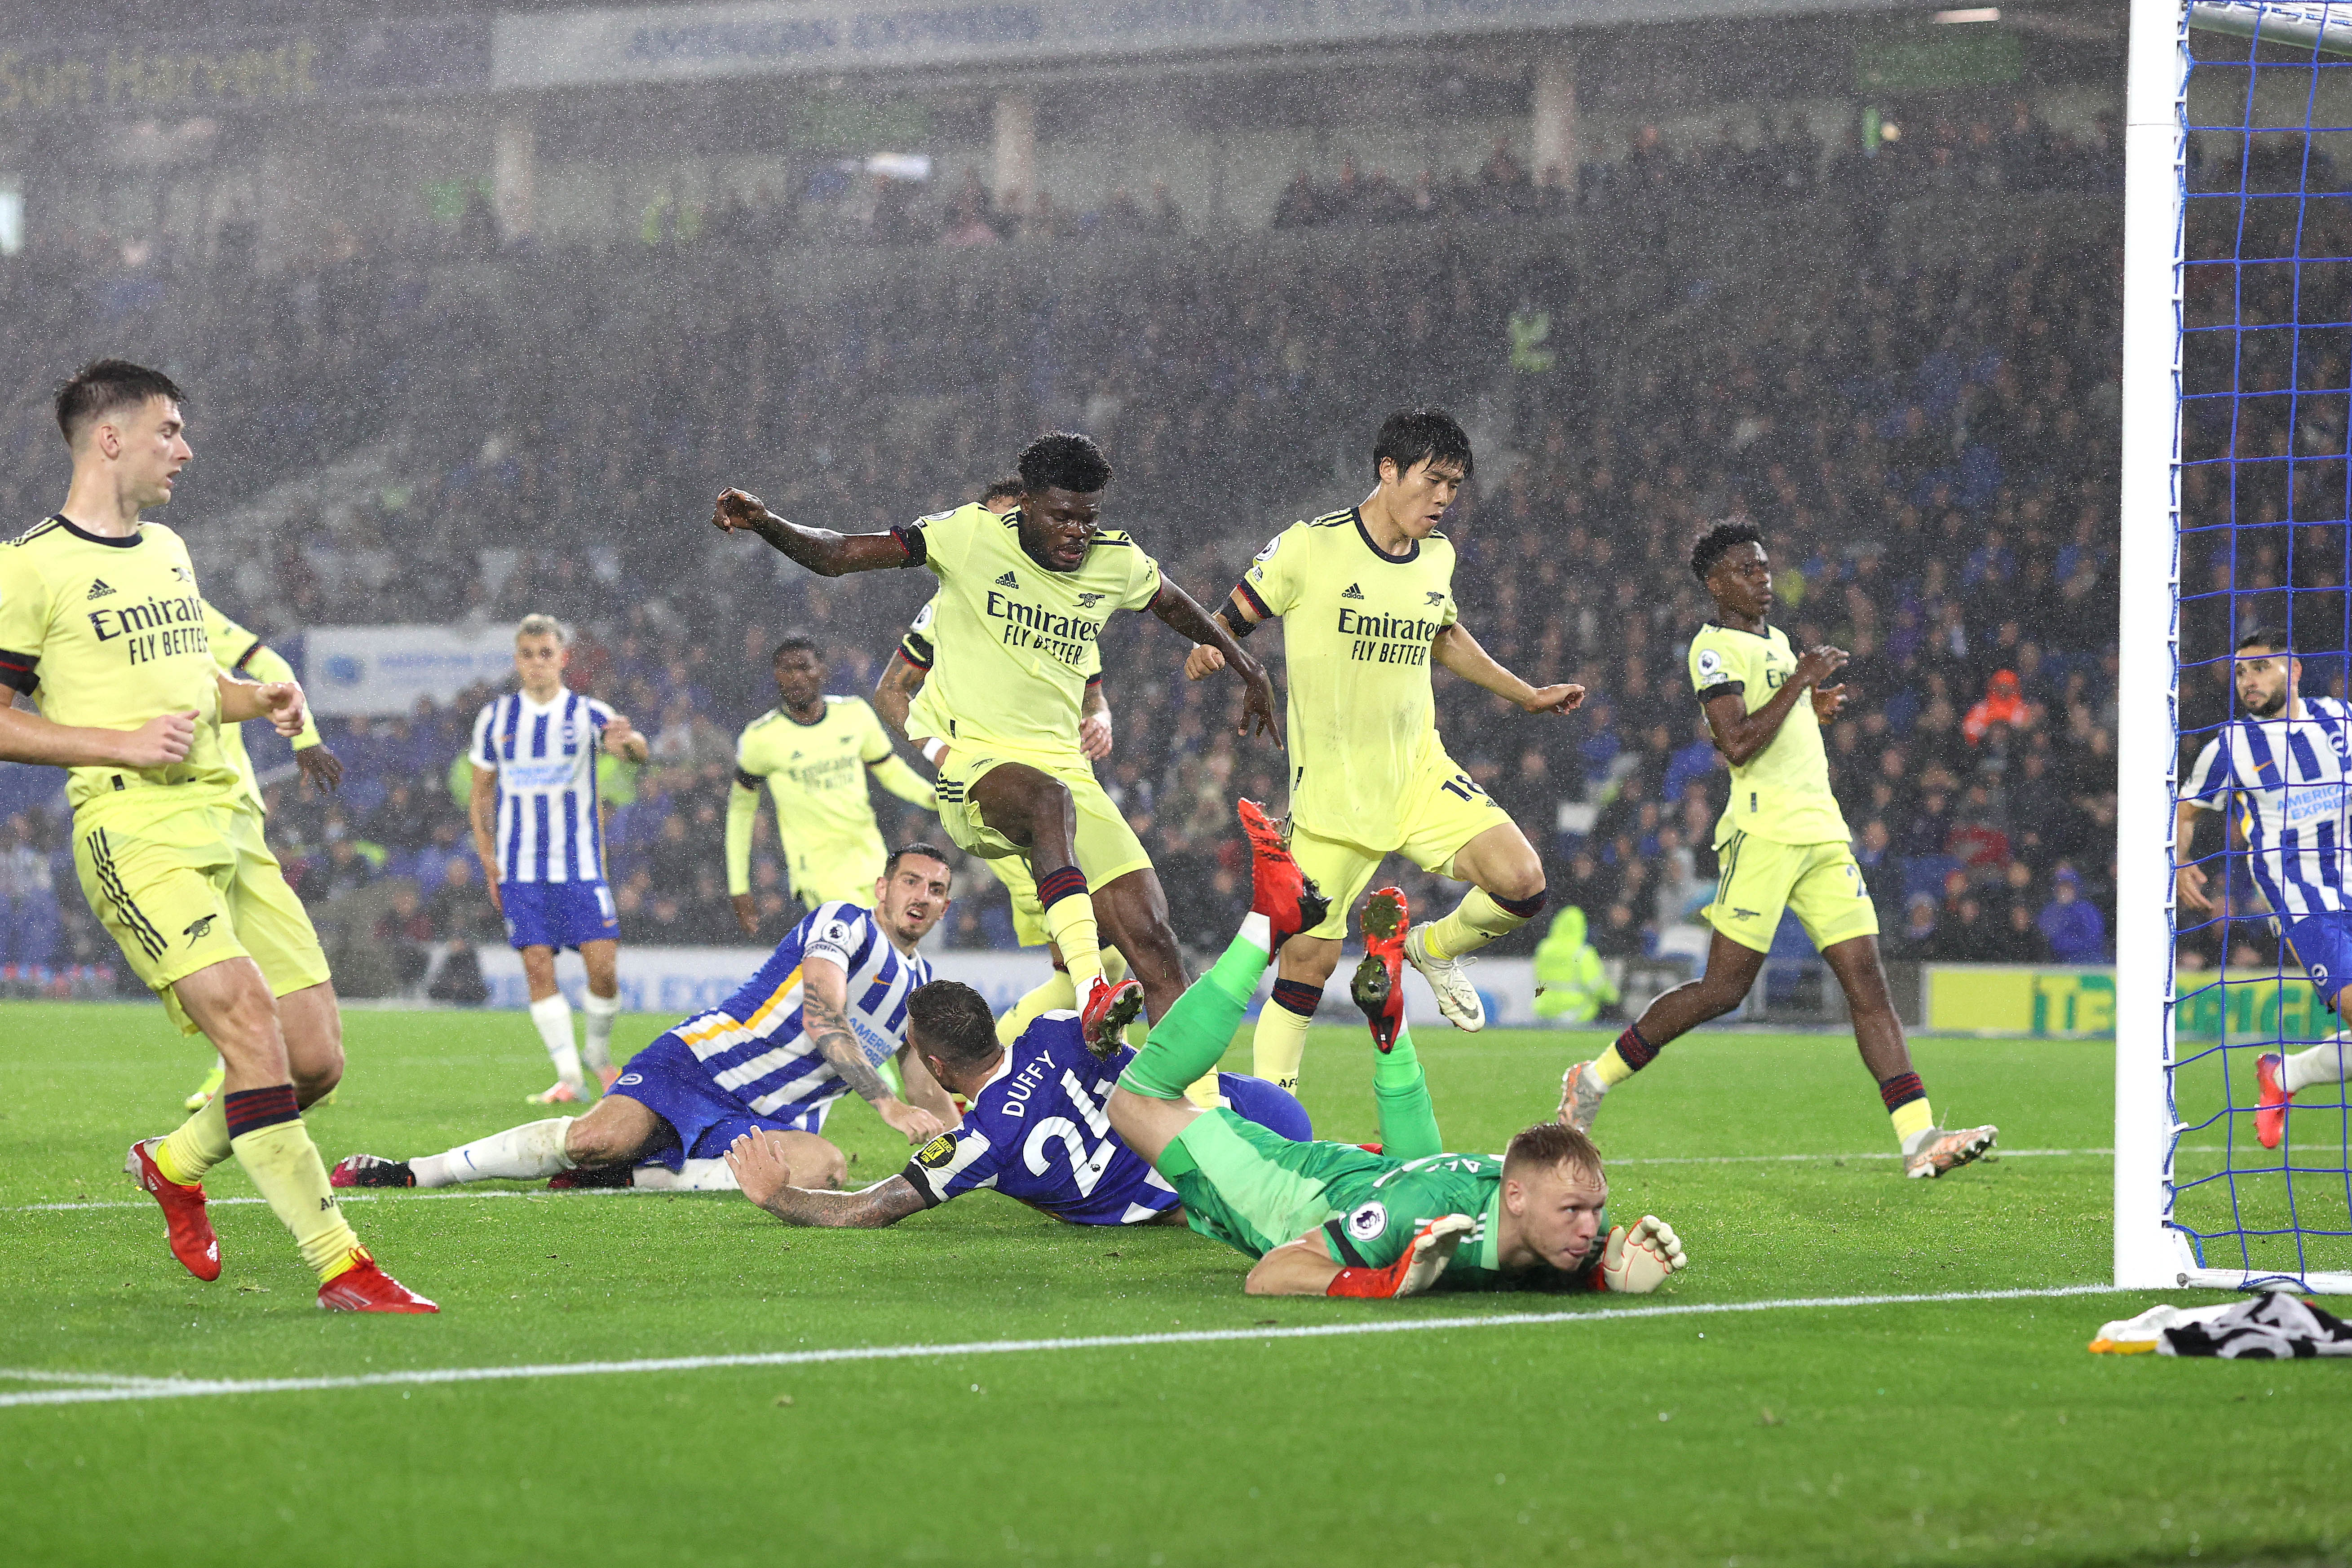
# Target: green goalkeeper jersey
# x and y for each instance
(1256, 1190)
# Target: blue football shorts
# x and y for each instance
(558, 914)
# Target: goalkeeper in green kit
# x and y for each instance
(1336, 1219)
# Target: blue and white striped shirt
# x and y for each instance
(545, 757)
(2282, 781)
(756, 1046)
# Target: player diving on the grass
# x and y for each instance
(538, 829)
(1339, 1220)
(814, 752)
(1780, 844)
(1022, 599)
(103, 624)
(895, 691)
(822, 1013)
(1035, 1129)
(1366, 600)
(2280, 772)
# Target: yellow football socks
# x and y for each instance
(196, 1145)
(1279, 1045)
(267, 1136)
(1476, 920)
(1070, 923)
(1056, 995)
(1610, 1068)
(1912, 1120)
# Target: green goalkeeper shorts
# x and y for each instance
(1256, 1190)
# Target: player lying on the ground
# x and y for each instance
(1782, 844)
(1022, 599)
(1335, 1219)
(1034, 1130)
(825, 1010)
(2279, 772)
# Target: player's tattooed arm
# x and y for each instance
(821, 550)
(1455, 649)
(824, 1014)
(1186, 619)
(765, 1174)
(1739, 735)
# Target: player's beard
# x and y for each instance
(2271, 709)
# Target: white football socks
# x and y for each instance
(553, 1018)
(524, 1153)
(2330, 1061)
(600, 1012)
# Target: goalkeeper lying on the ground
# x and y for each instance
(1335, 1219)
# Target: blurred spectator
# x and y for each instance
(2071, 925)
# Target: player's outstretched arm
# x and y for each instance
(821, 550)
(1456, 650)
(1187, 619)
(29, 737)
(766, 1175)
(824, 1014)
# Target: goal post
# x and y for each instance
(2197, 1201)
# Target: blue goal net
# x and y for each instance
(2258, 1187)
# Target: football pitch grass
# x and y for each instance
(1721, 1420)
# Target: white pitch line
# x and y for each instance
(191, 1388)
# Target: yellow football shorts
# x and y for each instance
(1447, 810)
(1107, 847)
(1759, 879)
(270, 921)
(161, 879)
(845, 875)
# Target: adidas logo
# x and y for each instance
(1008, 581)
(1353, 592)
(98, 589)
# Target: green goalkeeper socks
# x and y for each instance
(1408, 1116)
(1192, 1038)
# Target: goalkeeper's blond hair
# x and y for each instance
(536, 625)
(1550, 1146)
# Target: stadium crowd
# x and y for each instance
(1930, 452)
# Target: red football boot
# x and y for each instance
(185, 1223)
(370, 1171)
(1279, 891)
(2270, 1111)
(364, 1288)
(1106, 1011)
(1379, 987)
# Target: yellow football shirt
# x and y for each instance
(1357, 625)
(816, 773)
(110, 633)
(1013, 642)
(1783, 796)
